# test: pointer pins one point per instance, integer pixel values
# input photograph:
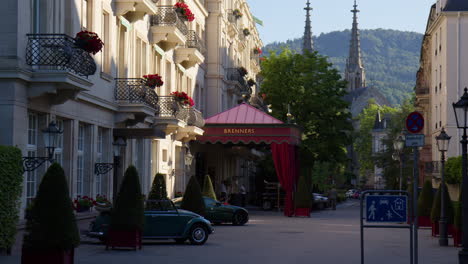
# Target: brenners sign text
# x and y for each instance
(239, 131)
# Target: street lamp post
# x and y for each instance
(443, 141)
(117, 147)
(398, 145)
(461, 111)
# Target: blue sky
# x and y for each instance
(284, 19)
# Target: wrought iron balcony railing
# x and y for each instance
(134, 90)
(167, 16)
(168, 106)
(233, 19)
(193, 41)
(234, 74)
(58, 52)
(195, 118)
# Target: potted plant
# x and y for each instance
(251, 82)
(184, 11)
(237, 13)
(88, 41)
(153, 80)
(303, 198)
(127, 216)
(183, 98)
(51, 230)
(83, 204)
(246, 32)
(158, 189)
(242, 71)
(257, 51)
(425, 205)
(101, 203)
(208, 190)
(193, 198)
(435, 212)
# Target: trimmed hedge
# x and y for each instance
(303, 197)
(193, 199)
(435, 213)
(425, 200)
(128, 213)
(51, 224)
(11, 179)
(208, 190)
(158, 189)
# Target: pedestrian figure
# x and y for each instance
(223, 196)
(243, 194)
(372, 210)
(332, 198)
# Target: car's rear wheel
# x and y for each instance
(198, 235)
(240, 218)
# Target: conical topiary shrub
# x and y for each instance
(435, 213)
(208, 190)
(193, 199)
(51, 229)
(303, 198)
(158, 189)
(425, 202)
(127, 216)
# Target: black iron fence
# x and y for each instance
(193, 41)
(233, 19)
(168, 106)
(58, 52)
(134, 90)
(167, 16)
(195, 118)
(234, 74)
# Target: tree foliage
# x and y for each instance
(158, 189)
(51, 223)
(11, 179)
(208, 190)
(128, 212)
(193, 198)
(453, 170)
(314, 92)
(425, 200)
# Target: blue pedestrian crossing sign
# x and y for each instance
(386, 208)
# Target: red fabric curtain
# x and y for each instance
(287, 167)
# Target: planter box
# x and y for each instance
(435, 228)
(424, 221)
(29, 256)
(119, 238)
(302, 212)
(457, 237)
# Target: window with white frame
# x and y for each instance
(80, 160)
(99, 159)
(31, 176)
(105, 38)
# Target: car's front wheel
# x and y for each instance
(240, 218)
(198, 235)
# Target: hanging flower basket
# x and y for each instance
(184, 11)
(183, 98)
(246, 32)
(153, 80)
(257, 51)
(88, 41)
(243, 71)
(237, 13)
(83, 204)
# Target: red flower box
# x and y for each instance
(302, 212)
(121, 238)
(88, 41)
(31, 256)
(183, 98)
(153, 80)
(183, 9)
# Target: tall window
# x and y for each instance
(105, 38)
(31, 176)
(80, 165)
(100, 159)
(58, 156)
(143, 58)
(87, 10)
(168, 74)
(138, 58)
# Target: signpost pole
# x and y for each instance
(415, 203)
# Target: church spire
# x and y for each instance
(355, 73)
(307, 41)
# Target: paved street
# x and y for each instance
(327, 237)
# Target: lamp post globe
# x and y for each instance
(443, 141)
(460, 109)
(50, 136)
(398, 146)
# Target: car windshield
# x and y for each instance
(159, 205)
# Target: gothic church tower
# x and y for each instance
(355, 73)
(307, 43)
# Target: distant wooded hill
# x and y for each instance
(390, 57)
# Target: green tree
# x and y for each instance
(193, 198)
(158, 189)
(303, 196)
(425, 200)
(435, 212)
(11, 179)
(453, 170)
(51, 224)
(314, 92)
(321, 176)
(208, 190)
(128, 212)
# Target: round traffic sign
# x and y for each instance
(414, 122)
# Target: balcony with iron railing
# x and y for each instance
(137, 7)
(168, 27)
(192, 52)
(235, 76)
(234, 26)
(134, 96)
(55, 59)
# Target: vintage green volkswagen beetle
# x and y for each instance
(219, 213)
(162, 221)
